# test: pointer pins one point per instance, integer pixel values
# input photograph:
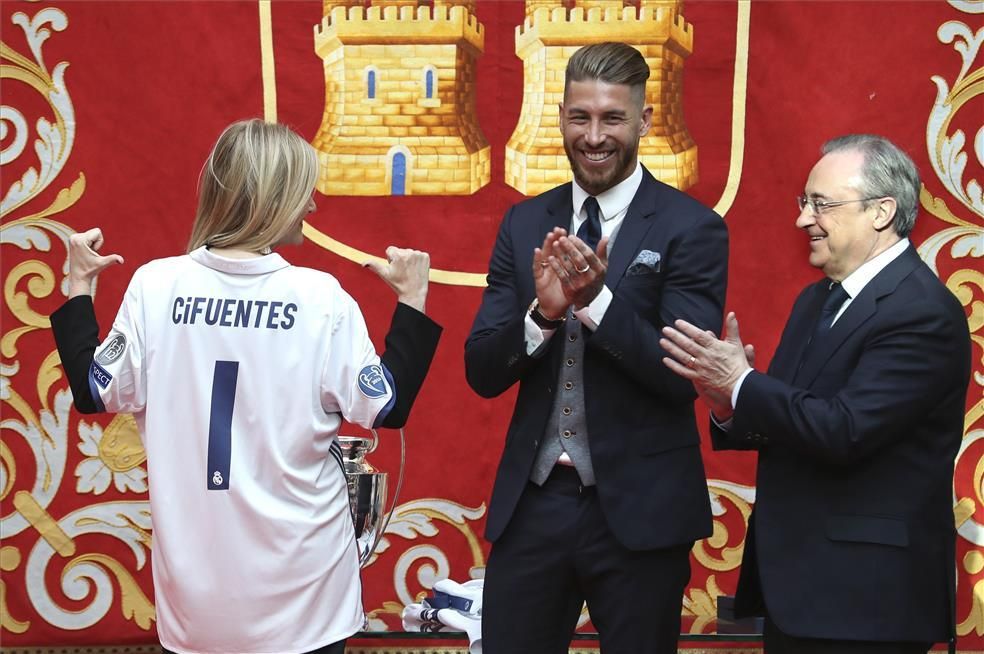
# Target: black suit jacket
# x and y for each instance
(642, 435)
(852, 536)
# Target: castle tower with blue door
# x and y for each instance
(400, 113)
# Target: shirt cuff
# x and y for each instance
(592, 314)
(734, 391)
(723, 425)
(536, 337)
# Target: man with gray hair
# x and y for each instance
(851, 546)
(600, 493)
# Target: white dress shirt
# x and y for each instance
(853, 284)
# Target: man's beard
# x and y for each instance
(598, 182)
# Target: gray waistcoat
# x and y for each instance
(567, 429)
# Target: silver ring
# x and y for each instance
(583, 270)
(693, 360)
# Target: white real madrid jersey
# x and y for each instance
(238, 372)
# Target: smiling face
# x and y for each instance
(602, 124)
(844, 237)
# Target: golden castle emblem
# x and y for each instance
(400, 101)
(400, 98)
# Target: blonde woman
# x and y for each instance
(239, 369)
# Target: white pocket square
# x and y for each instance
(646, 263)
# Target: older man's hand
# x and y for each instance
(713, 365)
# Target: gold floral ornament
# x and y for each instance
(111, 455)
(731, 506)
(965, 238)
(89, 577)
(35, 535)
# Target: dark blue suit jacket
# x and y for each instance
(643, 437)
(852, 536)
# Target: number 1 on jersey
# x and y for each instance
(220, 424)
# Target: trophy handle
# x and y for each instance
(396, 491)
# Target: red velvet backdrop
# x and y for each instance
(149, 86)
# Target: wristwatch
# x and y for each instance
(541, 320)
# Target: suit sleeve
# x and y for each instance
(410, 346)
(909, 364)
(495, 351)
(76, 333)
(110, 376)
(725, 439)
(731, 438)
(695, 281)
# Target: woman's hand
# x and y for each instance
(84, 261)
(406, 272)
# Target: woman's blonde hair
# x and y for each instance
(255, 184)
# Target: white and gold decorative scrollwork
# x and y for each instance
(945, 250)
(41, 426)
(731, 506)
(127, 521)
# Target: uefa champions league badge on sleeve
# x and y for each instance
(372, 383)
(113, 350)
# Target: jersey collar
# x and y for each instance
(267, 263)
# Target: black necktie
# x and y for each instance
(830, 308)
(590, 230)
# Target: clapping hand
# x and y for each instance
(713, 365)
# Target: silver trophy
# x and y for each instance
(367, 491)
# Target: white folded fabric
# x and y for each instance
(453, 606)
(468, 594)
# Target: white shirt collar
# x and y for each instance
(255, 266)
(615, 200)
(858, 279)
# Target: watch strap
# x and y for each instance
(541, 320)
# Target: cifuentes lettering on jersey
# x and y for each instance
(232, 312)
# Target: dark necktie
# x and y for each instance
(831, 306)
(590, 230)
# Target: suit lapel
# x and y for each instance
(632, 232)
(559, 213)
(860, 310)
(796, 336)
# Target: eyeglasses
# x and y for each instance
(820, 206)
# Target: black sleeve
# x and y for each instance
(76, 337)
(410, 346)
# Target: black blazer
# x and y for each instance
(643, 438)
(852, 535)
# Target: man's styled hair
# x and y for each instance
(612, 63)
(887, 172)
(254, 185)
